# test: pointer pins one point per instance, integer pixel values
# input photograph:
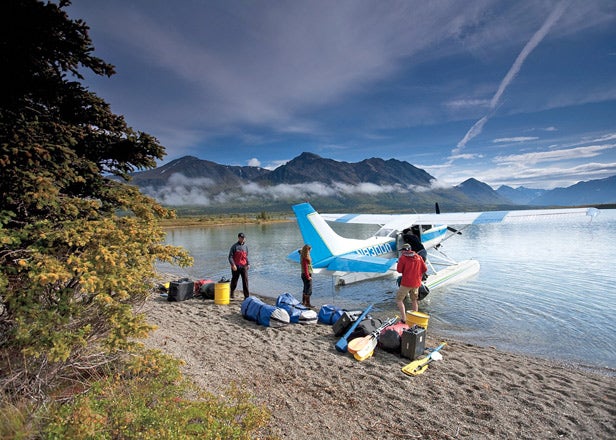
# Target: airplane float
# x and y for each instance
(351, 260)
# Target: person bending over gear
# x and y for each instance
(412, 268)
(416, 245)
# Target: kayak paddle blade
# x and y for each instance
(367, 351)
(358, 343)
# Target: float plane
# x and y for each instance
(350, 260)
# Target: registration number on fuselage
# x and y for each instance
(376, 250)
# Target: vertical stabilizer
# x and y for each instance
(318, 234)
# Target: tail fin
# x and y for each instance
(317, 233)
(325, 242)
(331, 251)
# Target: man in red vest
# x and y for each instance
(238, 259)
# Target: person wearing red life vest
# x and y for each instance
(238, 259)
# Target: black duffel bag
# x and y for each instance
(367, 326)
(423, 292)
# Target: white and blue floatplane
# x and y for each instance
(351, 260)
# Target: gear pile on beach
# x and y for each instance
(296, 371)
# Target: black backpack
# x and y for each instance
(207, 290)
(364, 328)
(423, 292)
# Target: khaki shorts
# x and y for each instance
(403, 291)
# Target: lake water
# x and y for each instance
(547, 290)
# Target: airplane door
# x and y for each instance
(416, 230)
(399, 242)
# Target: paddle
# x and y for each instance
(434, 357)
(367, 351)
(419, 366)
(342, 343)
(358, 344)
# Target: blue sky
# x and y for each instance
(509, 92)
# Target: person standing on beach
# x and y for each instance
(412, 267)
(238, 258)
(306, 265)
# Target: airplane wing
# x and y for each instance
(462, 218)
(365, 219)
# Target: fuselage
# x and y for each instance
(387, 242)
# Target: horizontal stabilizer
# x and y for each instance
(294, 256)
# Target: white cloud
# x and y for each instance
(181, 190)
(533, 158)
(607, 137)
(254, 162)
(468, 103)
(366, 188)
(466, 156)
(441, 184)
(309, 189)
(178, 196)
(515, 139)
(476, 129)
(180, 180)
(547, 177)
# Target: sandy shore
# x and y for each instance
(315, 392)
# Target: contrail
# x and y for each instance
(513, 71)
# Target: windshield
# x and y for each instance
(386, 232)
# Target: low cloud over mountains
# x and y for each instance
(370, 184)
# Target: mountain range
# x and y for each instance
(192, 184)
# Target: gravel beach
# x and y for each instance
(316, 392)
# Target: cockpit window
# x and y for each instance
(386, 232)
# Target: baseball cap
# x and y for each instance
(241, 234)
(405, 247)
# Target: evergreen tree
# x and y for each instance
(77, 243)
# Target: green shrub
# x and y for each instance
(19, 420)
(148, 398)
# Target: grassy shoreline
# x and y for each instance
(222, 220)
(192, 217)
